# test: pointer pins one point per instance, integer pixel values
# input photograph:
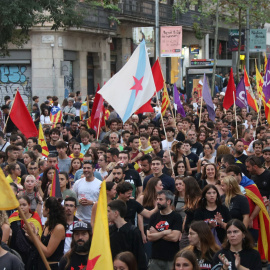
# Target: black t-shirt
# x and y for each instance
(162, 249)
(242, 158)
(167, 182)
(263, 183)
(206, 215)
(196, 148)
(77, 262)
(205, 264)
(250, 258)
(193, 160)
(134, 179)
(52, 149)
(133, 207)
(166, 171)
(239, 206)
(160, 153)
(180, 137)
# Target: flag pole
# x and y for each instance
(200, 118)
(87, 100)
(36, 243)
(235, 116)
(99, 124)
(164, 129)
(257, 122)
(10, 111)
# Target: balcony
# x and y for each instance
(98, 17)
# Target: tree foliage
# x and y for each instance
(17, 17)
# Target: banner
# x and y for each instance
(170, 41)
(234, 40)
(257, 40)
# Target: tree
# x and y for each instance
(17, 17)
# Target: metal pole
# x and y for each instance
(157, 28)
(247, 41)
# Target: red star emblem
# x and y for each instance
(137, 86)
(81, 266)
(260, 83)
(91, 263)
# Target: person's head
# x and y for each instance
(179, 185)
(144, 139)
(29, 183)
(13, 169)
(31, 142)
(201, 237)
(125, 261)
(124, 158)
(118, 174)
(111, 189)
(207, 149)
(258, 147)
(180, 168)
(52, 160)
(28, 157)
(157, 165)
(237, 234)
(12, 152)
(155, 132)
(113, 138)
(112, 155)
(235, 171)
(37, 149)
(239, 147)
(32, 168)
(209, 171)
(134, 142)
(191, 135)
(75, 165)
(266, 154)
(124, 190)
(54, 135)
(25, 203)
(210, 195)
(76, 149)
(170, 132)
(116, 209)
(146, 163)
(113, 125)
(185, 260)
(88, 169)
(81, 237)
(227, 160)
(253, 164)
(42, 165)
(63, 180)
(155, 143)
(70, 206)
(164, 199)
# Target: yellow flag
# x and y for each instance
(259, 82)
(42, 142)
(8, 200)
(100, 256)
(165, 100)
(265, 62)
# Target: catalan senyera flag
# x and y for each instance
(250, 95)
(265, 62)
(259, 83)
(165, 100)
(8, 200)
(55, 189)
(56, 115)
(254, 194)
(42, 142)
(100, 256)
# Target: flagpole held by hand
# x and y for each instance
(200, 118)
(235, 116)
(33, 237)
(99, 124)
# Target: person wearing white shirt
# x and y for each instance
(167, 144)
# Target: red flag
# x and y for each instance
(220, 48)
(97, 112)
(159, 82)
(20, 116)
(55, 189)
(230, 92)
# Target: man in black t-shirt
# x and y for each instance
(81, 239)
(155, 143)
(192, 158)
(164, 231)
(259, 175)
(196, 147)
(54, 138)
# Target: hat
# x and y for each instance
(266, 149)
(82, 226)
(222, 93)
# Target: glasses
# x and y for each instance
(32, 168)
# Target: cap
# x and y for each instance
(82, 226)
(266, 149)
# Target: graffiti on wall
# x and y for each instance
(13, 77)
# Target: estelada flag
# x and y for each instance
(159, 80)
(100, 256)
(42, 142)
(250, 95)
(8, 200)
(230, 92)
(56, 115)
(55, 189)
(20, 116)
(165, 100)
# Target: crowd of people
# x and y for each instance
(182, 192)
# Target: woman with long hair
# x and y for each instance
(211, 210)
(47, 178)
(14, 173)
(148, 200)
(202, 243)
(102, 163)
(4, 224)
(45, 119)
(202, 136)
(65, 186)
(180, 169)
(156, 132)
(236, 202)
(179, 151)
(75, 165)
(238, 249)
(192, 196)
(93, 152)
(28, 157)
(185, 260)
(111, 194)
(19, 240)
(179, 198)
(53, 236)
(125, 261)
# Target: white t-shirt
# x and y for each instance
(90, 191)
(167, 145)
